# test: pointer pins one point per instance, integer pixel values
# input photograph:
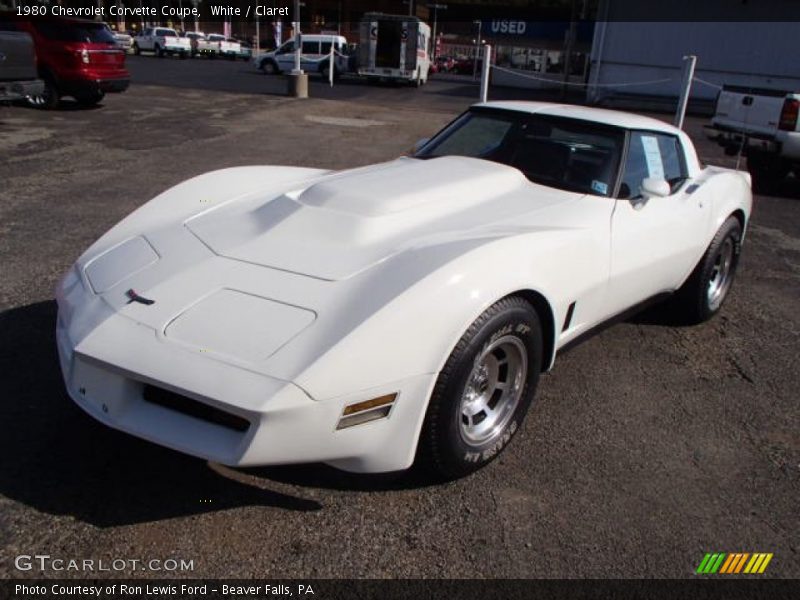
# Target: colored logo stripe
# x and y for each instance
(734, 563)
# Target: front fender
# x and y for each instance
(418, 305)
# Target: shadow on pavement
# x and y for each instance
(58, 460)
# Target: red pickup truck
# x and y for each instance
(75, 58)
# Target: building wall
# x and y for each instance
(755, 53)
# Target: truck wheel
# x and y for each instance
(158, 51)
(269, 67)
(49, 98)
(136, 49)
(766, 171)
(182, 55)
(484, 390)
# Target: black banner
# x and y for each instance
(461, 589)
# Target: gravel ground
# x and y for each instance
(648, 446)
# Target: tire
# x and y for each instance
(703, 294)
(49, 98)
(182, 55)
(136, 49)
(158, 51)
(269, 67)
(470, 417)
(90, 99)
(766, 171)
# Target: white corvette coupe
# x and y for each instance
(362, 318)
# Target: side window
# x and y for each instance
(310, 48)
(286, 48)
(325, 48)
(652, 155)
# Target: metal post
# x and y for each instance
(258, 39)
(487, 65)
(410, 8)
(477, 46)
(686, 88)
(332, 63)
(297, 42)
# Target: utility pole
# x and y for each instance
(436, 8)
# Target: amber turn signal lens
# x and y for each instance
(368, 404)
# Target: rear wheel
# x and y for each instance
(704, 292)
(484, 390)
(269, 67)
(159, 52)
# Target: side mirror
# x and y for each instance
(655, 187)
(419, 144)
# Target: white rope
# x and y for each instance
(558, 82)
(708, 83)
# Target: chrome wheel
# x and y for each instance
(721, 274)
(493, 390)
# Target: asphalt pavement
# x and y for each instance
(648, 446)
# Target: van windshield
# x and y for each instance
(568, 154)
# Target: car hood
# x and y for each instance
(350, 220)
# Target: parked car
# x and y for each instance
(124, 40)
(369, 316)
(18, 75)
(315, 56)
(75, 58)
(161, 41)
(245, 49)
(218, 45)
(444, 64)
(763, 125)
(194, 38)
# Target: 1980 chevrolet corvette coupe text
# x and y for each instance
(362, 318)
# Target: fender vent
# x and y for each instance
(193, 408)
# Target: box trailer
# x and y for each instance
(394, 47)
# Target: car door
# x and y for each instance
(284, 56)
(655, 240)
(309, 58)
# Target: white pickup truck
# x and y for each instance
(216, 44)
(161, 41)
(763, 125)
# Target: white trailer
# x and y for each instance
(394, 47)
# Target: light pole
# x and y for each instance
(436, 8)
(298, 81)
(477, 49)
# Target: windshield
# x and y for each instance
(568, 154)
(84, 32)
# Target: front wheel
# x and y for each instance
(705, 291)
(269, 67)
(484, 390)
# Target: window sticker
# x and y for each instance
(652, 155)
(600, 187)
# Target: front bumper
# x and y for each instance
(108, 372)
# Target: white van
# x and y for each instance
(314, 58)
